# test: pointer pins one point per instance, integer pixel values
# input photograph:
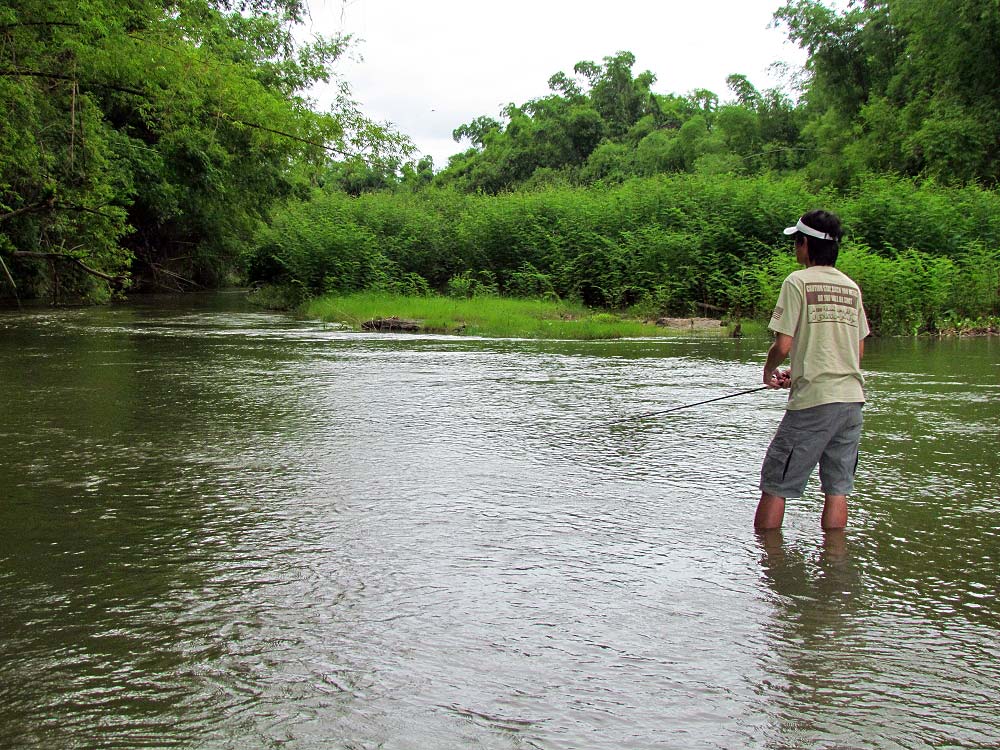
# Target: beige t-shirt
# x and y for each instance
(820, 307)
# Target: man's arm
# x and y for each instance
(861, 350)
(775, 356)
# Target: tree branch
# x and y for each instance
(11, 280)
(52, 205)
(119, 279)
(284, 134)
(28, 209)
(84, 209)
(63, 77)
(6, 26)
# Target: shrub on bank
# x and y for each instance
(682, 244)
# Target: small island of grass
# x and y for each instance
(505, 317)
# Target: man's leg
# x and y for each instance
(837, 466)
(835, 512)
(790, 459)
(770, 512)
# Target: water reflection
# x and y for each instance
(854, 662)
(817, 647)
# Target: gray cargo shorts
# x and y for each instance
(827, 435)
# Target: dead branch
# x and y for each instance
(11, 280)
(160, 269)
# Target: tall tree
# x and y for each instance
(619, 98)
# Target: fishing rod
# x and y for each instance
(688, 406)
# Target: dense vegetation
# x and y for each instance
(672, 244)
(171, 141)
(149, 138)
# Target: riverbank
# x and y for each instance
(504, 318)
(980, 327)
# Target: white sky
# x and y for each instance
(429, 66)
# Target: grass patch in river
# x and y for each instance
(491, 316)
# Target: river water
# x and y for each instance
(230, 529)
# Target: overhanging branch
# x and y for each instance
(52, 205)
(118, 279)
(323, 146)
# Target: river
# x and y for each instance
(224, 528)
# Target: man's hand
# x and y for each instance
(777, 378)
(780, 347)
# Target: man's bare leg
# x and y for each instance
(835, 512)
(835, 545)
(770, 512)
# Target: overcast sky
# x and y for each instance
(429, 66)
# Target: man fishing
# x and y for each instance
(818, 320)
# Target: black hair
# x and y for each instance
(822, 252)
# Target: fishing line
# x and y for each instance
(688, 406)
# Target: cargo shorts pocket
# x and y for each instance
(776, 464)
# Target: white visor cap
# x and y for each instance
(805, 229)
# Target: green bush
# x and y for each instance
(922, 253)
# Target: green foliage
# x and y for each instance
(911, 86)
(491, 316)
(409, 285)
(529, 282)
(606, 126)
(674, 245)
(149, 139)
(469, 284)
(317, 248)
(916, 292)
(168, 141)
